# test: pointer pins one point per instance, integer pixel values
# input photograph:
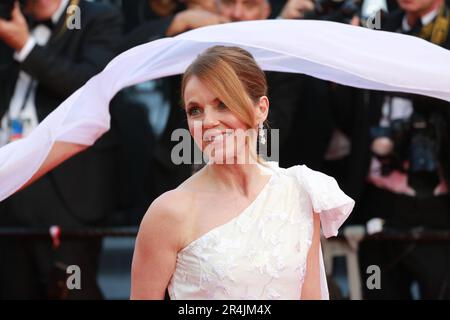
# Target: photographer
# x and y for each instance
(399, 168)
(167, 18)
(50, 50)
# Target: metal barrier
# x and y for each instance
(388, 234)
(68, 233)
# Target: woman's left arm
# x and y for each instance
(311, 285)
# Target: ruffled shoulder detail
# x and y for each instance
(327, 199)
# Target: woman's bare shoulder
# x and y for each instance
(173, 213)
(171, 206)
(166, 223)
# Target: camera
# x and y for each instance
(334, 10)
(416, 143)
(397, 134)
(6, 6)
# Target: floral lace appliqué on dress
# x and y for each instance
(262, 253)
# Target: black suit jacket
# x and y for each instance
(299, 108)
(84, 183)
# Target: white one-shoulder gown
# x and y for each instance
(262, 253)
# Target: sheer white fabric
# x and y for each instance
(262, 253)
(337, 52)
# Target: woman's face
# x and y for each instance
(216, 130)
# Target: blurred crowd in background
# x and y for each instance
(389, 151)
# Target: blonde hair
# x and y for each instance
(233, 76)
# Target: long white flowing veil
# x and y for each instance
(337, 52)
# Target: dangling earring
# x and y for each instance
(261, 133)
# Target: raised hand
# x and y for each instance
(193, 19)
(14, 32)
(295, 9)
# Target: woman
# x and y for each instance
(236, 229)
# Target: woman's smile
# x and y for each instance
(215, 137)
